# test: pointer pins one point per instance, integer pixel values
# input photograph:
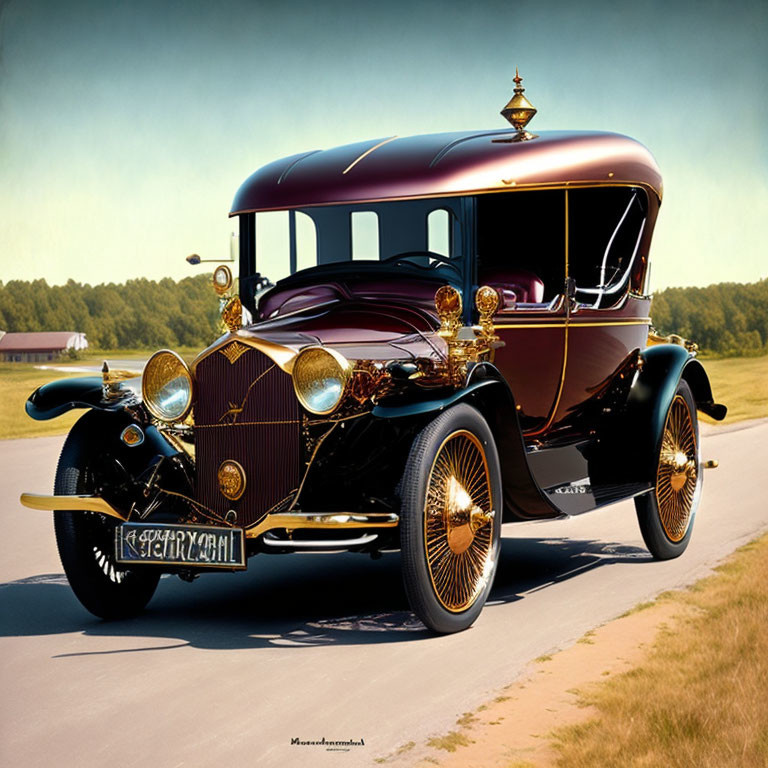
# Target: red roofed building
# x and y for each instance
(39, 347)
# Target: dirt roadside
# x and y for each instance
(512, 729)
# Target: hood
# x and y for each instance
(359, 330)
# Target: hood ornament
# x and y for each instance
(519, 111)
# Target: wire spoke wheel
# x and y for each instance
(86, 540)
(678, 471)
(458, 521)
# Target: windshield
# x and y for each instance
(419, 239)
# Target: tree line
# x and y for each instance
(137, 314)
(726, 319)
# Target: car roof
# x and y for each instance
(447, 164)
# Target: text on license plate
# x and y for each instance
(190, 545)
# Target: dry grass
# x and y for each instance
(450, 742)
(19, 380)
(699, 698)
(740, 383)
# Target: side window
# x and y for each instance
(605, 230)
(439, 232)
(306, 242)
(365, 235)
(273, 244)
(521, 246)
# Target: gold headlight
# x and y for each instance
(166, 386)
(320, 378)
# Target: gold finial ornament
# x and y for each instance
(519, 110)
(111, 381)
(487, 302)
(448, 306)
(232, 314)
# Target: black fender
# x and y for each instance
(103, 430)
(488, 391)
(129, 476)
(57, 397)
(630, 442)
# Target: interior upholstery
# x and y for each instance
(526, 286)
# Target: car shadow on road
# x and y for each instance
(288, 601)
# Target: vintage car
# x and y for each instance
(430, 336)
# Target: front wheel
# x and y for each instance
(666, 513)
(450, 522)
(86, 540)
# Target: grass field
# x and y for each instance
(699, 698)
(741, 383)
(738, 382)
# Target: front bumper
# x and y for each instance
(288, 521)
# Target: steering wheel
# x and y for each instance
(437, 259)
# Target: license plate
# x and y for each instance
(201, 546)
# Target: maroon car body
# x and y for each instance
(440, 333)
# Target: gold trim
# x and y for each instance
(554, 185)
(366, 153)
(246, 424)
(571, 324)
(561, 384)
(234, 351)
(288, 520)
(599, 324)
(283, 356)
(70, 503)
(235, 410)
(293, 521)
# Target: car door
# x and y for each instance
(521, 253)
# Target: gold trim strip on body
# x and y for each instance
(366, 153)
(247, 424)
(561, 384)
(554, 185)
(571, 324)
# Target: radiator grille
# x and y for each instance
(246, 411)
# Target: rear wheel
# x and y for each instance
(666, 514)
(86, 540)
(451, 519)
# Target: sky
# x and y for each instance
(127, 127)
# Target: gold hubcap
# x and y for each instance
(678, 470)
(458, 521)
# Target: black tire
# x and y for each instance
(447, 590)
(666, 514)
(86, 540)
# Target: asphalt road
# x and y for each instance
(229, 669)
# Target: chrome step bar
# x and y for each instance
(337, 545)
